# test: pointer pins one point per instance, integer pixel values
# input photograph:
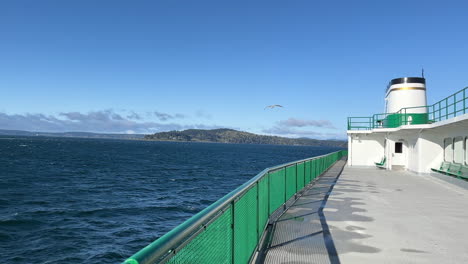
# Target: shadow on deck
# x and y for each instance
(301, 234)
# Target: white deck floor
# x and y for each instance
(378, 216)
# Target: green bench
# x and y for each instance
(381, 164)
(453, 169)
(443, 168)
(463, 173)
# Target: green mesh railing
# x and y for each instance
(230, 230)
(451, 106)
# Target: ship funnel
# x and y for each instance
(406, 92)
(405, 102)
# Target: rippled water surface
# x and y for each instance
(68, 200)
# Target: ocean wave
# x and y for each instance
(99, 201)
(20, 223)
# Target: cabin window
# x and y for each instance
(458, 151)
(398, 147)
(448, 150)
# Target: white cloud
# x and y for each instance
(165, 116)
(289, 128)
(294, 133)
(293, 122)
(105, 121)
(134, 116)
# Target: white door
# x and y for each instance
(399, 155)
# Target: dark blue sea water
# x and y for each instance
(69, 200)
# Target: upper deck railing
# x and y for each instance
(230, 230)
(451, 106)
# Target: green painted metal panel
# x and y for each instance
(396, 120)
(277, 190)
(245, 226)
(234, 230)
(311, 168)
(393, 120)
(213, 245)
(320, 170)
(316, 168)
(419, 119)
(320, 167)
(308, 172)
(263, 213)
(291, 181)
(300, 176)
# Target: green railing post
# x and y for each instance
(446, 108)
(304, 174)
(285, 185)
(269, 187)
(434, 112)
(233, 232)
(258, 214)
(440, 112)
(464, 101)
(295, 195)
(455, 105)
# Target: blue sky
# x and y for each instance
(148, 66)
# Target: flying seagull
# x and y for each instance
(273, 106)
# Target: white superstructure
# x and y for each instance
(411, 135)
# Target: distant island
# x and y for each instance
(23, 133)
(225, 135)
(222, 135)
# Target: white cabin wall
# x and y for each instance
(424, 147)
(350, 150)
(431, 151)
(390, 147)
(414, 146)
(365, 149)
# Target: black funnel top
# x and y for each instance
(408, 80)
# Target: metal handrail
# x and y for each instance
(443, 104)
(171, 240)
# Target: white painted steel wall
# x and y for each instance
(430, 153)
(396, 98)
(424, 147)
(413, 152)
(365, 149)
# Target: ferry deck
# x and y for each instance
(398, 195)
(374, 216)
